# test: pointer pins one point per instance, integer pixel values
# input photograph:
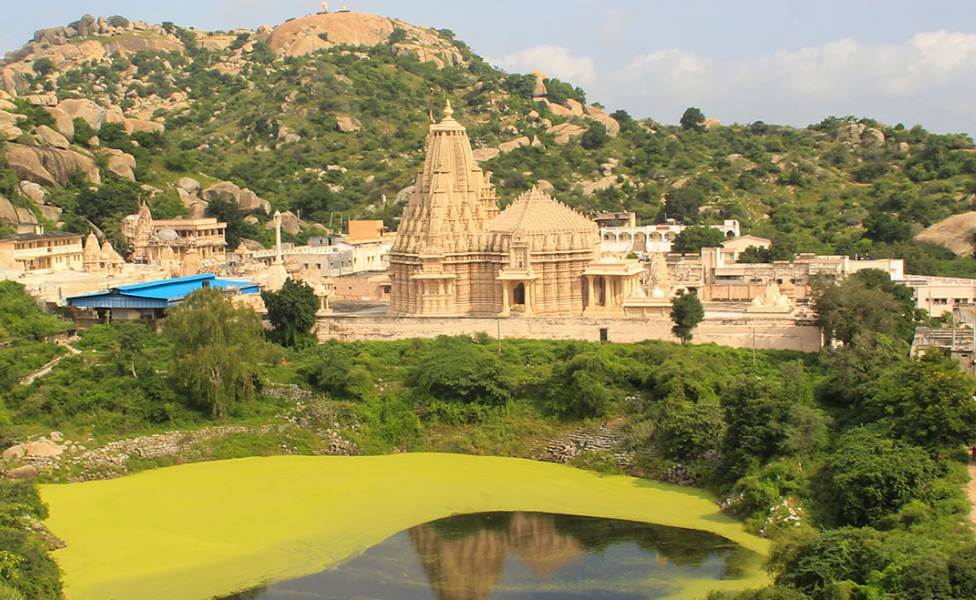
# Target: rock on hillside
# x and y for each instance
(315, 32)
(88, 39)
(954, 233)
(52, 167)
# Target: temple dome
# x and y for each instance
(167, 235)
(545, 222)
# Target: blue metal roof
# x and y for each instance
(159, 294)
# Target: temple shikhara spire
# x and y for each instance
(455, 254)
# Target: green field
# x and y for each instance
(199, 530)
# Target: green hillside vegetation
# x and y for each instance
(844, 185)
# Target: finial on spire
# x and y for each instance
(448, 111)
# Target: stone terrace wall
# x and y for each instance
(775, 333)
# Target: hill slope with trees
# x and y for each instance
(330, 126)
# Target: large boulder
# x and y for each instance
(142, 126)
(483, 154)
(44, 448)
(312, 33)
(246, 200)
(873, 137)
(114, 114)
(12, 81)
(565, 132)
(25, 216)
(250, 203)
(36, 193)
(290, 223)
(28, 166)
(87, 25)
(596, 114)
(515, 144)
(8, 214)
(850, 133)
(62, 122)
(51, 213)
(48, 136)
(52, 167)
(119, 163)
(954, 233)
(50, 99)
(539, 88)
(24, 472)
(189, 185)
(574, 107)
(347, 124)
(85, 109)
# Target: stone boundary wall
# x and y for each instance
(772, 333)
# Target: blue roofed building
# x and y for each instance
(150, 300)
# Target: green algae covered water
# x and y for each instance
(206, 530)
(527, 556)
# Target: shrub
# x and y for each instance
(688, 431)
(458, 369)
(869, 477)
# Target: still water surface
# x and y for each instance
(507, 556)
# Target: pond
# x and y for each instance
(214, 528)
(525, 555)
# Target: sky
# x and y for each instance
(781, 61)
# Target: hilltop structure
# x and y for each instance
(456, 254)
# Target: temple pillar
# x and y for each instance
(590, 292)
(506, 303)
(529, 297)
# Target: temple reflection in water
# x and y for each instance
(524, 555)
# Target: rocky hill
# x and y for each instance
(324, 117)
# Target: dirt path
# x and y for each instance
(50, 366)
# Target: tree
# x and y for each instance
(693, 119)
(683, 205)
(291, 311)
(814, 562)
(692, 239)
(928, 401)
(595, 137)
(585, 385)
(870, 476)
(399, 34)
(460, 369)
(216, 351)
(43, 66)
(686, 313)
(758, 421)
(227, 211)
(83, 131)
(867, 302)
(688, 430)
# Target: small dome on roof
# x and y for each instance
(167, 235)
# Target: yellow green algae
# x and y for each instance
(206, 529)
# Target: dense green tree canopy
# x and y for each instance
(217, 348)
(870, 476)
(693, 119)
(291, 311)
(692, 239)
(866, 303)
(928, 402)
(686, 313)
